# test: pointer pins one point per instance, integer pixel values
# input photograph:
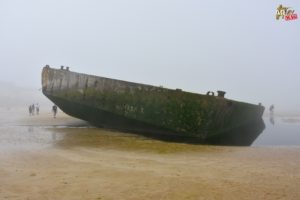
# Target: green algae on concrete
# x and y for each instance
(138, 107)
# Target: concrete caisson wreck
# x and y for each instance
(128, 106)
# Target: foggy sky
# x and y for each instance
(235, 46)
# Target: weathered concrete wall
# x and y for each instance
(176, 110)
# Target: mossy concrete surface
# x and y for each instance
(125, 105)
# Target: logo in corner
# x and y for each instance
(285, 13)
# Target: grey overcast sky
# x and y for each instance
(236, 46)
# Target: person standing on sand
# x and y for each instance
(54, 110)
(30, 110)
(271, 109)
(37, 108)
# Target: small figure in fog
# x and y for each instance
(271, 109)
(54, 110)
(30, 110)
(37, 109)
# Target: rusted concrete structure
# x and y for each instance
(137, 107)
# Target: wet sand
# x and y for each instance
(64, 158)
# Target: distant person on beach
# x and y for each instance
(37, 109)
(271, 109)
(30, 110)
(54, 110)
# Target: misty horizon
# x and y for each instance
(232, 46)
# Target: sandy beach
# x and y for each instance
(64, 158)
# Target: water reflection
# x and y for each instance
(286, 132)
(35, 137)
(54, 138)
(242, 136)
(272, 120)
(24, 138)
(96, 137)
(30, 129)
